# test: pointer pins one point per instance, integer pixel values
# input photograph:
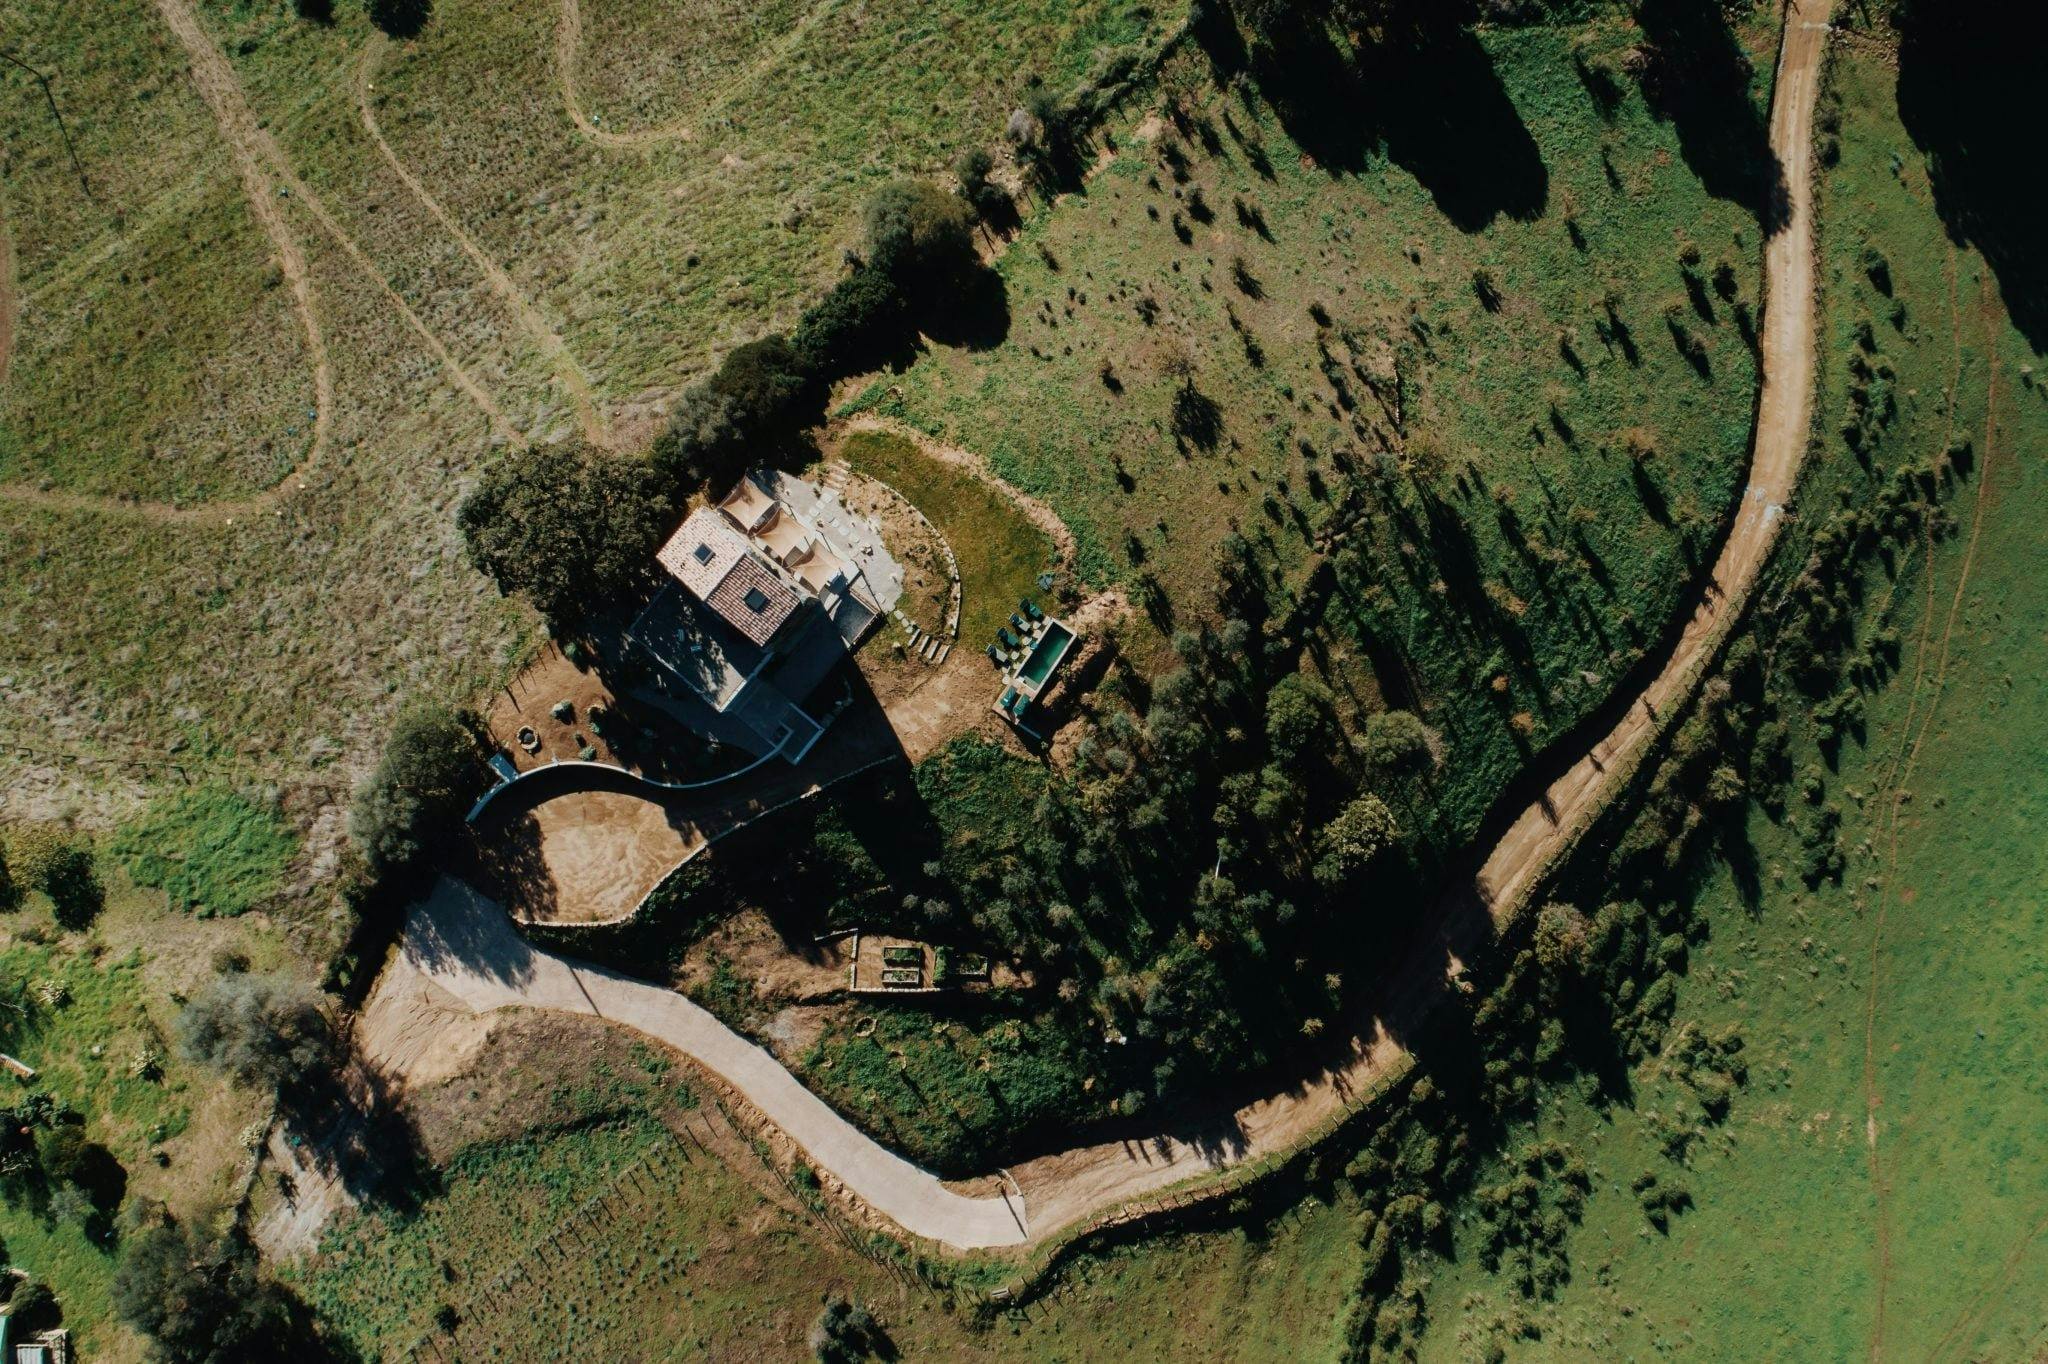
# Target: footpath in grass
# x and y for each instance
(157, 352)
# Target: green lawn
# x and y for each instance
(1871, 1190)
(210, 850)
(1000, 553)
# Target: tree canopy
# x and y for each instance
(50, 860)
(1352, 841)
(744, 413)
(201, 1301)
(567, 527)
(263, 1030)
(921, 237)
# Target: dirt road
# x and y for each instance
(1067, 1188)
(7, 303)
(568, 52)
(467, 949)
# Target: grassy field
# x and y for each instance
(1558, 466)
(156, 354)
(93, 1013)
(1868, 1193)
(274, 648)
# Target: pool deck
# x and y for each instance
(1050, 644)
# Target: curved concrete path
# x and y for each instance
(466, 945)
(493, 968)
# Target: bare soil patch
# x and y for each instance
(781, 971)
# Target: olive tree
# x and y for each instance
(262, 1030)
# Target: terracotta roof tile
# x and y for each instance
(752, 600)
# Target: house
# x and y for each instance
(764, 595)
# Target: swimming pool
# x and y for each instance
(1052, 646)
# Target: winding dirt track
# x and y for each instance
(588, 415)
(6, 302)
(266, 174)
(1068, 1188)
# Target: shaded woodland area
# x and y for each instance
(1970, 96)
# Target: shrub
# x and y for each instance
(990, 201)
(263, 1030)
(566, 527)
(430, 772)
(1351, 842)
(845, 1332)
(1560, 937)
(47, 859)
(199, 1299)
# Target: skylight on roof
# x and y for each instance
(702, 554)
(757, 600)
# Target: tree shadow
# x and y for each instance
(1424, 94)
(1696, 77)
(1968, 94)
(363, 1136)
(977, 319)
(1448, 121)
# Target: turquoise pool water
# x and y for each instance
(1046, 655)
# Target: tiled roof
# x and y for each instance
(752, 599)
(703, 551)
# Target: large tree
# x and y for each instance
(746, 412)
(567, 527)
(201, 1301)
(923, 238)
